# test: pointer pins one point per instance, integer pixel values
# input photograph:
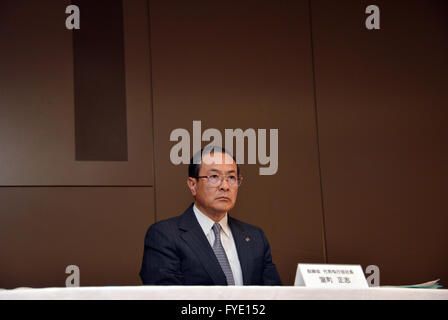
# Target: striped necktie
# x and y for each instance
(221, 254)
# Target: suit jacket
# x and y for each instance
(177, 252)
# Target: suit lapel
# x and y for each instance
(242, 243)
(195, 238)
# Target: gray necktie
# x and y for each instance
(221, 254)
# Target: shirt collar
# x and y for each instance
(206, 223)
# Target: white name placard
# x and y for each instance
(330, 276)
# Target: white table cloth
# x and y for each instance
(220, 293)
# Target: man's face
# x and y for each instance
(215, 199)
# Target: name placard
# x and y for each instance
(330, 276)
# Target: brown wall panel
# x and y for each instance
(37, 118)
(242, 64)
(99, 76)
(101, 230)
(382, 111)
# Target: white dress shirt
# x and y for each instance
(227, 242)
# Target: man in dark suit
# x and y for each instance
(205, 246)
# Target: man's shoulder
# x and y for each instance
(169, 223)
(244, 225)
(166, 223)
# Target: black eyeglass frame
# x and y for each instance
(239, 179)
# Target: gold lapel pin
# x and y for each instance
(247, 239)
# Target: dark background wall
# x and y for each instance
(86, 117)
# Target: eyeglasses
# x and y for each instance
(215, 180)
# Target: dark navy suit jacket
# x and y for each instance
(177, 252)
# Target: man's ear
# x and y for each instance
(192, 183)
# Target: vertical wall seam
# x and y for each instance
(152, 112)
(324, 233)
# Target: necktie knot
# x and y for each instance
(217, 228)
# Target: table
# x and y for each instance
(221, 293)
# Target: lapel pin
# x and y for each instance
(247, 239)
